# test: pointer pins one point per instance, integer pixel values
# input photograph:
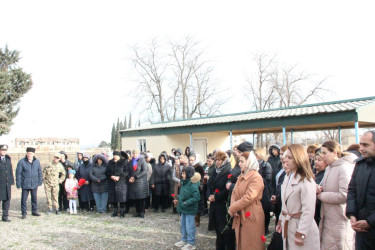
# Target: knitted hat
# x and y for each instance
(3, 147)
(189, 170)
(118, 153)
(72, 172)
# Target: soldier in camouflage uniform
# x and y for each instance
(53, 175)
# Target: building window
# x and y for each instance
(142, 145)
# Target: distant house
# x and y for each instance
(208, 133)
(47, 144)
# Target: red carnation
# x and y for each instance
(229, 176)
(75, 188)
(81, 182)
(173, 195)
(263, 238)
(216, 190)
(247, 214)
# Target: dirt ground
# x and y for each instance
(93, 230)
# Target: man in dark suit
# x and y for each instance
(6, 180)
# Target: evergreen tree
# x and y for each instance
(14, 83)
(130, 120)
(118, 139)
(113, 137)
(125, 123)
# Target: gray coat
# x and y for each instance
(99, 173)
(29, 175)
(6, 179)
(138, 189)
(160, 178)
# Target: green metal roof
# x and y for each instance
(343, 110)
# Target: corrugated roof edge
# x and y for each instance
(267, 110)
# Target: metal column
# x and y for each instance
(291, 133)
(284, 136)
(356, 133)
(254, 139)
(231, 140)
(340, 135)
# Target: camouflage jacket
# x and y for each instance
(53, 174)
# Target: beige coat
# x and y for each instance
(246, 198)
(334, 226)
(299, 197)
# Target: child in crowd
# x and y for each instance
(71, 186)
(187, 206)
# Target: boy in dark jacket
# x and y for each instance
(187, 206)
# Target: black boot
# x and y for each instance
(122, 213)
(115, 211)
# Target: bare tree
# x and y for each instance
(275, 87)
(151, 79)
(180, 85)
(295, 88)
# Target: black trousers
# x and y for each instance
(140, 206)
(87, 205)
(225, 241)
(5, 206)
(365, 241)
(161, 200)
(267, 218)
(63, 201)
(25, 195)
(115, 205)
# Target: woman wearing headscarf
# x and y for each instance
(265, 170)
(118, 174)
(160, 182)
(246, 207)
(85, 192)
(335, 228)
(99, 184)
(219, 203)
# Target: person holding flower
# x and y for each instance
(219, 218)
(246, 207)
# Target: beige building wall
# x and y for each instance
(158, 143)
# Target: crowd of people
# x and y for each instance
(321, 197)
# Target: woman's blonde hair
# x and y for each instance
(301, 159)
(261, 153)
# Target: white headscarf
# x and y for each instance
(251, 163)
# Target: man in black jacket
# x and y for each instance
(361, 194)
(6, 180)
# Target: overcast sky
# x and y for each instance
(78, 52)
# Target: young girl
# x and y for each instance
(187, 206)
(71, 186)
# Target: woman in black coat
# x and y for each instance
(219, 203)
(275, 162)
(160, 183)
(138, 184)
(85, 192)
(118, 173)
(265, 170)
(99, 182)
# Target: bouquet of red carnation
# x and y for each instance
(81, 182)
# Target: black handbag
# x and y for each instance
(276, 242)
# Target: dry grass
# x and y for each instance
(93, 230)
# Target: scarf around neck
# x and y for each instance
(135, 163)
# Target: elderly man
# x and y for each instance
(29, 177)
(361, 194)
(6, 180)
(53, 176)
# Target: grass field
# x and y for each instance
(93, 230)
